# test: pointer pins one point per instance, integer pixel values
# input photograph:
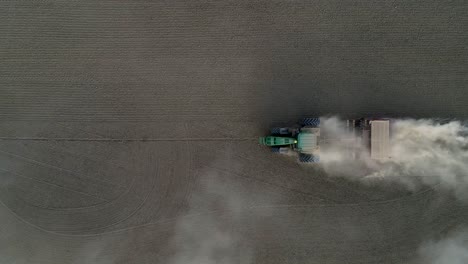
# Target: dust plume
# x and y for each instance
(423, 152)
(452, 249)
(209, 233)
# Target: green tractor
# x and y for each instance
(303, 140)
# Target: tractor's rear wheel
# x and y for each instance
(307, 158)
(311, 121)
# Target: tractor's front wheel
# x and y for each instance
(275, 149)
(275, 131)
(280, 131)
(280, 150)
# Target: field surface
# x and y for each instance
(128, 128)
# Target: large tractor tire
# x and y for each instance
(275, 131)
(311, 122)
(307, 158)
(280, 150)
(280, 131)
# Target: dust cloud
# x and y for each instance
(209, 233)
(423, 152)
(452, 249)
